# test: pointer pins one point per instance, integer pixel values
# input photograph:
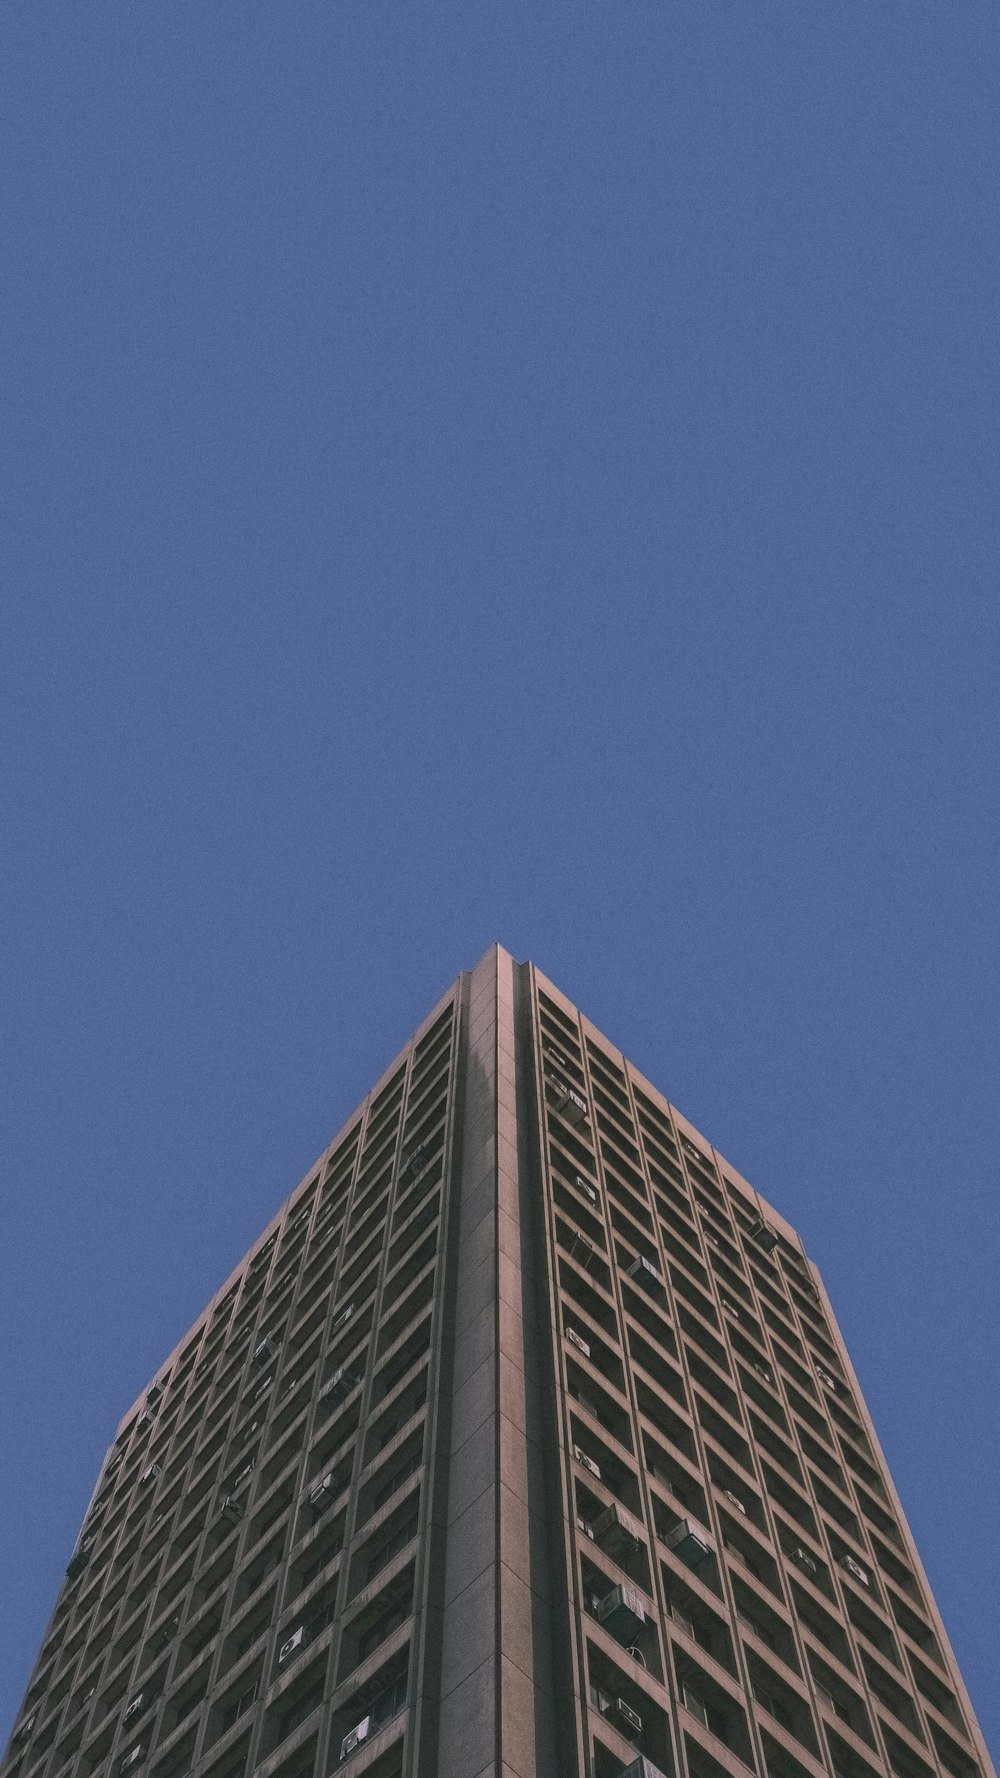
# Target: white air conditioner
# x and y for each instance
(340, 1385)
(762, 1371)
(322, 1494)
(359, 1733)
(149, 1474)
(803, 1560)
(345, 1315)
(132, 1709)
(265, 1350)
(644, 1273)
(583, 1185)
(588, 1462)
(860, 1574)
(624, 1718)
(734, 1500)
(575, 1340)
(133, 1758)
(296, 1640)
(231, 1509)
(827, 1381)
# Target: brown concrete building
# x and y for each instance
(523, 1444)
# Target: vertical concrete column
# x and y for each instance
(527, 1720)
(469, 1726)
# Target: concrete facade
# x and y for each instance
(523, 1444)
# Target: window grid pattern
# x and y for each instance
(707, 1403)
(254, 1550)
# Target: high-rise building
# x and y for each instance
(523, 1444)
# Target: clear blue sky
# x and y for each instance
(520, 472)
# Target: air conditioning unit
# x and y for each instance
(583, 1185)
(729, 1309)
(803, 1560)
(323, 1493)
(340, 1385)
(690, 1542)
(572, 1106)
(829, 1383)
(265, 1350)
(133, 1708)
(575, 1340)
(644, 1273)
(623, 1717)
(734, 1500)
(617, 1532)
(134, 1757)
(354, 1738)
(26, 1727)
(588, 1462)
(231, 1509)
(762, 1371)
(149, 1474)
(860, 1574)
(296, 1640)
(765, 1237)
(345, 1315)
(620, 1612)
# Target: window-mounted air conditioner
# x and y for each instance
(296, 1640)
(345, 1315)
(575, 1340)
(134, 1757)
(734, 1500)
(620, 1612)
(340, 1385)
(583, 1185)
(617, 1531)
(149, 1474)
(803, 1560)
(854, 1568)
(764, 1236)
(690, 1542)
(644, 1273)
(572, 1106)
(588, 1462)
(265, 1350)
(623, 1717)
(26, 1727)
(230, 1508)
(762, 1371)
(322, 1493)
(354, 1738)
(133, 1708)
